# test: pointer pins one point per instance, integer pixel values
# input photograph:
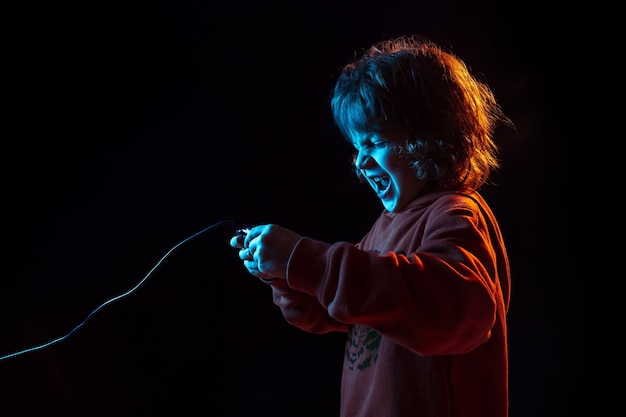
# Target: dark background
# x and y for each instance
(130, 126)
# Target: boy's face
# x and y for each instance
(390, 176)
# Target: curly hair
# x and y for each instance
(412, 85)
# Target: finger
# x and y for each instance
(236, 242)
(246, 254)
(252, 267)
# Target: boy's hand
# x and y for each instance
(265, 250)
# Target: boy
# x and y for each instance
(423, 297)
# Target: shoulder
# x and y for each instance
(450, 200)
(456, 209)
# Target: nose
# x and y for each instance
(362, 160)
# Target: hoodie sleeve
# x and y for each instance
(440, 298)
(303, 310)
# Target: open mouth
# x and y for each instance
(380, 184)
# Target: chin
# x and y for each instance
(392, 206)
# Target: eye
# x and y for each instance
(370, 143)
(375, 144)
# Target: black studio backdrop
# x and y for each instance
(132, 126)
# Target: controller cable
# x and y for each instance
(123, 295)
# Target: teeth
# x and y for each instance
(381, 183)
